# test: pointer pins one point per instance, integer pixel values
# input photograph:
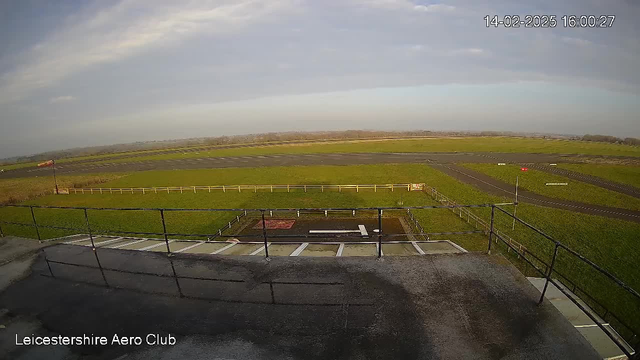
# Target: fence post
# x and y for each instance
(35, 224)
(375, 188)
(546, 283)
(164, 231)
(379, 233)
(86, 218)
(194, 189)
(493, 209)
(264, 234)
(93, 247)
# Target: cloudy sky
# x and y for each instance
(75, 73)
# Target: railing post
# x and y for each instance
(264, 234)
(86, 218)
(35, 224)
(379, 233)
(546, 283)
(493, 209)
(164, 231)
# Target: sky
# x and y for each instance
(83, 73)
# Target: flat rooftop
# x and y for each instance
(450, 306)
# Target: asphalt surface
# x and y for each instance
(497, 187)
(465, 306)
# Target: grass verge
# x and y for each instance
(623, 174)
(534, 180)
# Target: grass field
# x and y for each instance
(623, 174)
(475, 144)
(462, 144)
(17, 190)
(610, 243)
(534, 180)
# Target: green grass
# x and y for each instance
(21, 189)
(473, 144)
(461, 144)
(623, 174)
(610, 243)
(534, 180)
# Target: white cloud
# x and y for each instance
(61, 99)
(434, 8)
(576, 41)
(116, 33)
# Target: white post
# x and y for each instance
(238, 188)
(271, 213)
(142, 191)
(271, 188)
(375, 188)
(255, 189)
(325, 213)
(305, 188)
(155, 190)
(322, 187)
(100, 190)
(357, 189)
(223, 189)
(209, 188)
(288, 188)
(194, 189)
(298, 212)
(180, 189)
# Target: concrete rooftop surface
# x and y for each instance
(450, 306)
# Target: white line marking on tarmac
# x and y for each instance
(223, 249)
(107, 241)
(363, 230)
(340, 249)
(418, 248)
(189, 247)
(155, 246)
(259, 249)
(456, 246)
(300, 249)
(589, 325)
(77, 241)
(129, 243)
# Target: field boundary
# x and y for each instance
(240, 188)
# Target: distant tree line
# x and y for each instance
(294, 136)
(612, 139)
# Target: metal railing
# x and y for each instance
(548, 271)
(239, 188)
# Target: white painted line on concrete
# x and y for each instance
(189, 247)
(300, 249)
(77, 241)
(456, 246)
(418, 248)
(333, 231)
(363, 230)
(129, 243)
(223, 249)
(589, 325)
(259, 250)
(155, 245)
(107, 241)
(340, 249)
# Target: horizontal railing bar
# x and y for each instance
(253, 209)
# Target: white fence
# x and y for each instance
(240, 188)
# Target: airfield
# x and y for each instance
(423, 221)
